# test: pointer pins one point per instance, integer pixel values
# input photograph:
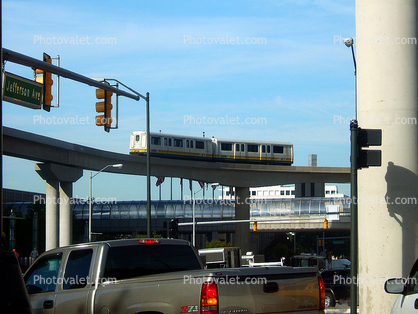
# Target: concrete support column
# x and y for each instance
(51, 214)
(58, 207)
(242, 212)
(387, 99)
(66, 219)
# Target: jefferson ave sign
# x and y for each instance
(22, 91)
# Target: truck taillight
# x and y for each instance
(148, 241)
(209, 298)
(321, 293)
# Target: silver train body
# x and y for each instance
(212, 149)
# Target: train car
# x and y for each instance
(188, 147)
(254, 151)
(173, 146)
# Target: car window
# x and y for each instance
(133, 261)
(77, 270)
(412, 283)
(42, 276)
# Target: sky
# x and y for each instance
(278, 67)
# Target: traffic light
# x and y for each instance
(320, 243)
(174, 228)
(368, 157)
(325, 223)
(46, 80)
(366, 138)
(255, 226)
(104, 106)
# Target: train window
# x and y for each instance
(263, 148)
(242, 148)
(165, 141)
(200, 145)
(178, 142)
(237, 147)
(187, 143)
(268, 149)
(226, 146)
(191, 143)
(253, 148)
(155, 140)
(278, 149)
(137, 138)
(169, 142)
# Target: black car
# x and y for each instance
(337, 285)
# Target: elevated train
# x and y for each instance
(211, 149)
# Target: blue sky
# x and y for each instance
(279, 65)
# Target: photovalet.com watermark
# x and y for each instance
(339, 119)
(75, 40)
(236, 200)
(227, 280)
(225, 120)
(40, 199)
(78, 281)
(226, 40)
(347, 280)
(379, 40)
(75, 120)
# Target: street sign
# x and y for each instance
(22, 91)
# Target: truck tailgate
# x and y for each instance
(268, 290)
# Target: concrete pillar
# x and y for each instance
(51, 214)
(58, 178)
(388, 100)
(66, 219)
(242, 212)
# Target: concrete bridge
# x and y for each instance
(62, 163)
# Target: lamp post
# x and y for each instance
(349, 42)
(194, 217)
(90, 196)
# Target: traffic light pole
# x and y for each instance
(148, 170)
(354, 225)
(15, 57)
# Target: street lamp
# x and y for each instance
(194, 217)
(349, 42)
(90, 196)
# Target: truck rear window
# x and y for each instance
(140, 260)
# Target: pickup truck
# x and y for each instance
(163, 276)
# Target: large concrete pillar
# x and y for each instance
(66, 219)
(51, 214)
(58, 222)
(388, 100)
(242, 212)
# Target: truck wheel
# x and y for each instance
(329, 299)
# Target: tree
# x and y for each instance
(217, 243)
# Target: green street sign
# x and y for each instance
(338, 242)
(22, 91)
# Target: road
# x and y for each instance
(339, 308)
